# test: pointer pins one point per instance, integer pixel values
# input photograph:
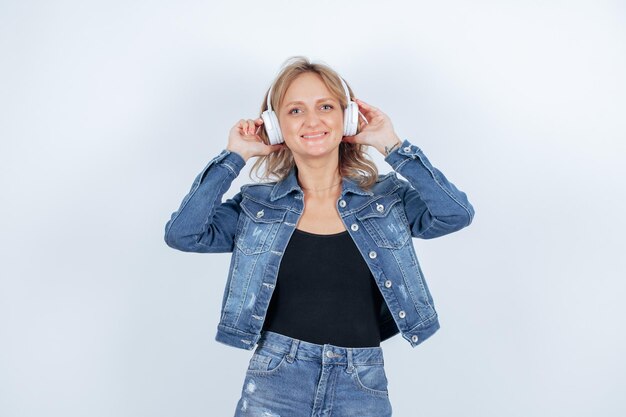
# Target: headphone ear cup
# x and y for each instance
(350, 119)
(272, 128)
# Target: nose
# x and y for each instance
(312, 119)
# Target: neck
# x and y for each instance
(319, 178)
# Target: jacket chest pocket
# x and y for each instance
(386, 222)
(257, 227)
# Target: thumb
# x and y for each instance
(277, 147)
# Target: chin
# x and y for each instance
(319, 151)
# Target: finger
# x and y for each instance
(364, 104)
(278, 147)
(367, 112)
(258, 122)
(370, 110)
(273, 148)
(251, 127)
(242, 126)
(362, 122)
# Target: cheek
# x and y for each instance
(288, 129)
(335, 120)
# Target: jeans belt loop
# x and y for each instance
(350, 363)
(292, 353)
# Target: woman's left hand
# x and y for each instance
(378, 132)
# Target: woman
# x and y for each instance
(323, 266)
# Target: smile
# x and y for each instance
(315, 136)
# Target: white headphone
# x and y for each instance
(272, 128)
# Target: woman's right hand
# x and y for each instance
(244, 140)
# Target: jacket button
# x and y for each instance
(407, 149)
(354, 227)
(259, 214)
(414, 338)
(388, 284)
(402, 314)
(380, 208)
(372, 254)
(342, 203)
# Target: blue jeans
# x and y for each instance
(288, 377)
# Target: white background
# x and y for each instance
(109, 109)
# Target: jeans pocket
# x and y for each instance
(266, 362)
(371, 378)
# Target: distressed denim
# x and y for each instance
(256, 225)
(288, 377)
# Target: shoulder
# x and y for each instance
(259, 191)
(387, 184)
(257, 187)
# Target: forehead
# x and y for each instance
(307, 87)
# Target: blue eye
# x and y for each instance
(330, 107)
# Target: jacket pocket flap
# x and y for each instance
(260, 213)
(378, 208)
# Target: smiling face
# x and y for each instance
(311, 118)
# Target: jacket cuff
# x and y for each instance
(406, 151)
(231, 160)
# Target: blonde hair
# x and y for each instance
(354, 162)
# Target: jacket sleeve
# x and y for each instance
(433, 205)
(203, 223)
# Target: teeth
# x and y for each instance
(314, 136)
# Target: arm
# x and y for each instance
(203, 223)
(433, 205)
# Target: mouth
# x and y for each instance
(314, 135)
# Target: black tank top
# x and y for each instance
(325, 293)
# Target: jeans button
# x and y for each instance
(402, 314)
(388, 284)
(373, 255)
(342, 203)
(354, 227)
(414, 338)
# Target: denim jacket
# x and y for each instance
(257, 223)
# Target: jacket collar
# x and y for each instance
(290, 184)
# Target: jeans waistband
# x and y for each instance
(324, 354)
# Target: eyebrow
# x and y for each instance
(302, 102)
